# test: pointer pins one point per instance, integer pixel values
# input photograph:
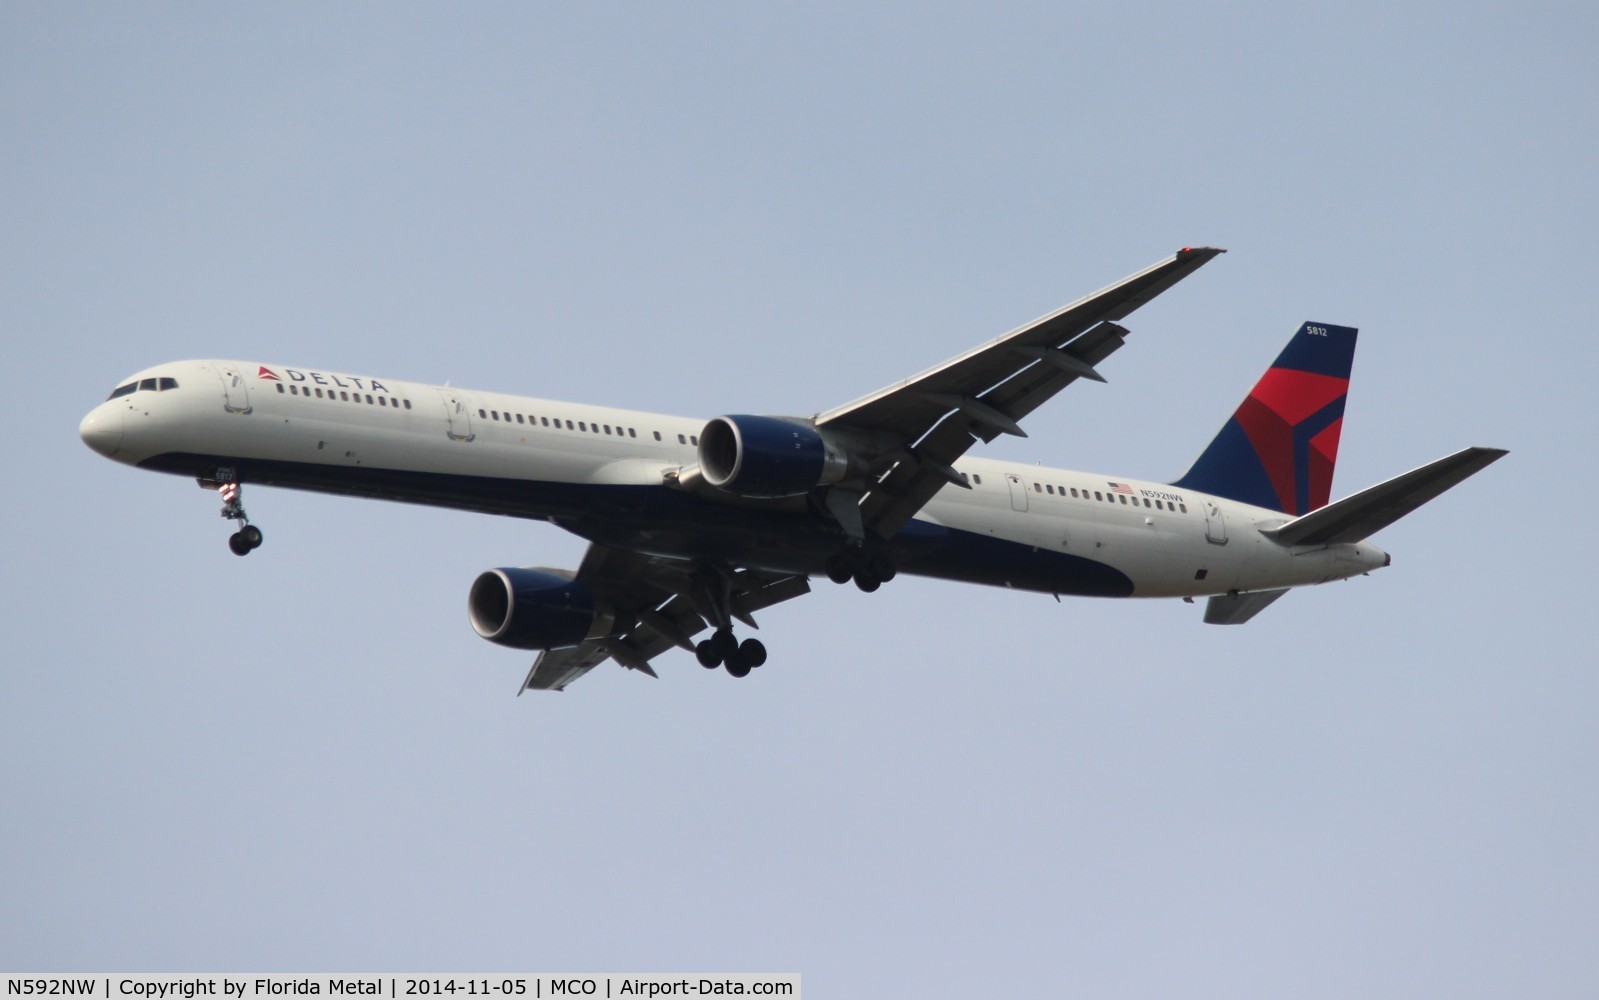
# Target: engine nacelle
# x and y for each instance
(768, 456)
(530, 609)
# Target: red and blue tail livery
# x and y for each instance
(1279, 448)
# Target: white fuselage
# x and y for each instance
(626, 477)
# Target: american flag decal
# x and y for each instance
(1120, 488)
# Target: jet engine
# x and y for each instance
(768, 456)
(530, 608)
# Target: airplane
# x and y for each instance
(697, 525)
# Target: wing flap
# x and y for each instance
(651, 600)
(919, 475)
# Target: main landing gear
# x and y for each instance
(724, 649)
(712, 592)
(869, 568)
(248, 538)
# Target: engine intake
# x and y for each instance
(530, 609)
(768, 456)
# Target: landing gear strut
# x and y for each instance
(869, 568)
(248, 538)
(711, 591)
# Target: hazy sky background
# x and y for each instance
(306, 760)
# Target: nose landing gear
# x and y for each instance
(248, 538)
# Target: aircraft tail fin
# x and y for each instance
(1279, 448)
(1365, 513)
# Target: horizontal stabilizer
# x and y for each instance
(1235, 609)
(1365, 513)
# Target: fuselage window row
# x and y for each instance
(582, 425)
(1060, 491)
(344, 396)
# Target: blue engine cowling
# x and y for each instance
(530, 609)
(768, 456)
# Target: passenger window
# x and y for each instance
(657, 435)
(632, 433)
(569, 425)
(681, 439)
(1158, 506)
(481, 412)
(280, 387)
(1184, 507)
(1097, 495)
(407, 404)
(1037, 488)
(1049, 488)
(369, 399)
(519, 418)
(1122, 497)
(1146, 501)
(344, 396)
(694, 439)
(607, 428)
(582, 426)
(1074, 492)
(977, 479)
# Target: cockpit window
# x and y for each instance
(160, 384)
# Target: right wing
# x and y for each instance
(654, 604)
(928, 421)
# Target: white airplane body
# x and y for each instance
(697, 524)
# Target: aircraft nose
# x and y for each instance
(102, 430)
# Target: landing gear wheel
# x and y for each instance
(881, 565)
(737, 667)
(251, 535)
(752, 652)
(706, 652)
(238, 544)
(840, 567)
(726, 646)
(867, 582)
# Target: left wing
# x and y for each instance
(931, 420)
(653, 604)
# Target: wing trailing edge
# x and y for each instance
(1363, 514)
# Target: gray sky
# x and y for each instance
(305, 760)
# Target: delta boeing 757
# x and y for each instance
(697, 525)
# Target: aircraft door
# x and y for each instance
(235, 394)
(1215, 524)
(1018, 492)
(459, 414)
